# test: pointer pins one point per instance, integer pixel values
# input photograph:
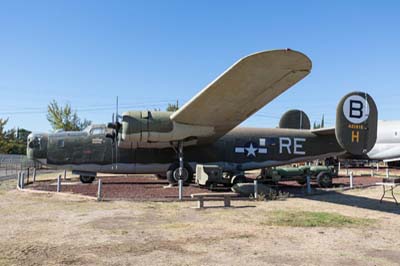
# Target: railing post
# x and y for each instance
(255, 189)
(59, 183)
(308, 184)
(18, 180)
(99, 190)
(65, 174)
(351, 179)
(180, 184)
(22, 180)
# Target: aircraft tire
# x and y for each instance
(324, 180)
(161, 177)
(86, 179)
(239, 179)
(173, 173)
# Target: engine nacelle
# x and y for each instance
(142, 128)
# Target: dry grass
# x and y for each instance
(60, 229)
(313, 219)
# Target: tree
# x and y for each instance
(173, 107)
(319, 125)
(10, 141)
(64, 118)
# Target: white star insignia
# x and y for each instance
(251, 150)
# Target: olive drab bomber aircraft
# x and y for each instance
(204, 130)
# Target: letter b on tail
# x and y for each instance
(356, 123)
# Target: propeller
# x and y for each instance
(115, 126)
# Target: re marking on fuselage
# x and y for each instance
(286, 145)
(285, 142)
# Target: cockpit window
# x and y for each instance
(60, 143)
(35, 143)
(97, 131)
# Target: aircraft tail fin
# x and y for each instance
(356, 123)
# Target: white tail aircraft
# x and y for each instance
(387, 146)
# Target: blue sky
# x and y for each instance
(149, 53)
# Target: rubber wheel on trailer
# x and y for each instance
(324, 180)
(302, 181)
(239, 179)
(173, 173)
(86, 179)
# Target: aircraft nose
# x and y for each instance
(36, 146)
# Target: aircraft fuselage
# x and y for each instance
(241, 149)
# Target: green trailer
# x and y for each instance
(323, 175)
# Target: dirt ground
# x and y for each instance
(65, 229)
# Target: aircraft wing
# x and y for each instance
(243, 89)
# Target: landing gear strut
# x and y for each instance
(180, 170)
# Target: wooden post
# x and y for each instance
(59, 183)
(99, 190)
(255, 189)
(34, 175)
(180, 184)
(27, 176)
(351, 179)
(65, 174)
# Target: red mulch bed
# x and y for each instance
(134, 188)
(150, 188)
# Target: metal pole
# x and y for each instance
(59, 183)
(99, 190)
(351, 179)
(22, 180)
(19, 180)
(255, 189)
(34, 175)
(65, 174)
(308, 184)
(180, 184)
(338, 167)
(387, 172)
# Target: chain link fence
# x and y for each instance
(11, 164)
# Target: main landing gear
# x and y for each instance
(86, 179)
(179, 170)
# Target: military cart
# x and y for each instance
(212, 175)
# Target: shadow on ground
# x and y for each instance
(358, 201)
